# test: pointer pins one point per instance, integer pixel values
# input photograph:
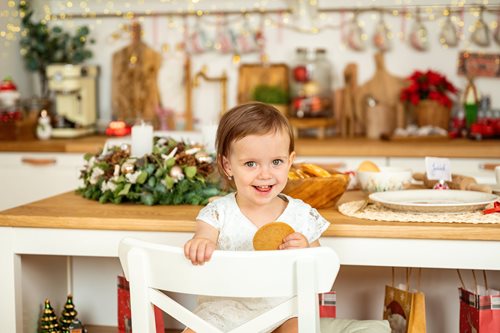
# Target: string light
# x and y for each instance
(70, 9)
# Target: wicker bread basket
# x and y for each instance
(319, 192)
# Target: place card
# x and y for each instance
(438, 168)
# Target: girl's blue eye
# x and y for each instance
(250, 164)
(277, 162)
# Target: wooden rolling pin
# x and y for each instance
(458, 182)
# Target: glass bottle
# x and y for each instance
(323, 76)
(311, 84)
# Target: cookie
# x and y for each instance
(270, 236)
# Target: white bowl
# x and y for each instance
(388, 179)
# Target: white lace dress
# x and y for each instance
(236, 233)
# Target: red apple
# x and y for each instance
(300, 73)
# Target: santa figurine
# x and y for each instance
(396, 317)
(9, 95)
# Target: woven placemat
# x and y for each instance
(380, 213)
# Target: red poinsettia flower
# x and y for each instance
(430, 85)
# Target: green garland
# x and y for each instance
(174, 173)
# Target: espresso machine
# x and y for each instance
(74, 92)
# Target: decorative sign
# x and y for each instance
(479, 64)
(438, 168)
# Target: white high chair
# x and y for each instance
(297, 274)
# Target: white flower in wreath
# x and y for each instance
(170, 155)
(116, 172)
(161, 142)
(89, 164)
(96, 173)
(132, 177)
(108, 185)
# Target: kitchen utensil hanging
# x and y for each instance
(480, 31)
(382, 35)
(449, 32)
(419, 39)
(355, 35)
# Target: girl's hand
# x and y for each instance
(199, 250)
(294, 241)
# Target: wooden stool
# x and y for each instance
(319, 123)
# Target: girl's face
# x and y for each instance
(259, 165)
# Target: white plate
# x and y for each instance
(430, 201)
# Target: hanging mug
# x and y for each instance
(496, 34)
(418, 35)
(382, 36)
(449, 33)
(480, 33)
(355, 35)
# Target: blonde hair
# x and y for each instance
(252, 118)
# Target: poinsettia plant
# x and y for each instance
(429, 85)
(174, 173)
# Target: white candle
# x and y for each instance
(142, 140)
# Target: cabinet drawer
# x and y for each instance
(27, 177)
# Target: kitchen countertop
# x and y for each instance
(70, 211)
(304, 147)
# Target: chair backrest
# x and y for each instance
(289, 273)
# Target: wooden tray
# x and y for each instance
(252, 75)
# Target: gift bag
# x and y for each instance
(124, 313)
(328, 305)
(479, 309)
(405, 308)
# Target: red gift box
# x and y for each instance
(328, 305)
(124, 313)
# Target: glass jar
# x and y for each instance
(311, 84)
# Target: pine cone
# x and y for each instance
(117, 157)
(185, 159)
(205, 169)
(181, 147)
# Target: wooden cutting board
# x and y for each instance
(385, 88)
(252, 75)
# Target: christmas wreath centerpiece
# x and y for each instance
(174, 173)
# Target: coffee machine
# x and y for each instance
(74, 92)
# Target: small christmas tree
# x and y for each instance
(48, 321)
(68, 314)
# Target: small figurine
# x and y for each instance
(76, 327)
(9, 95)
(43, 129)
(441, 185)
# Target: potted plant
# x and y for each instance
(42, 46)
(430, 92)
(274, 95)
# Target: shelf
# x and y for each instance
(114, 329)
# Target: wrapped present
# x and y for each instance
(328, 305)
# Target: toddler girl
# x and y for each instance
(255, 149)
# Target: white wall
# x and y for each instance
(10, 59)
(281, 44)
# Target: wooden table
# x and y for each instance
(69, 225)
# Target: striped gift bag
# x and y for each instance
(328, 305)
(479, 308)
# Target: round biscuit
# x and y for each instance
(271, 235)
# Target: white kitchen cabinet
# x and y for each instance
(27, 177)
